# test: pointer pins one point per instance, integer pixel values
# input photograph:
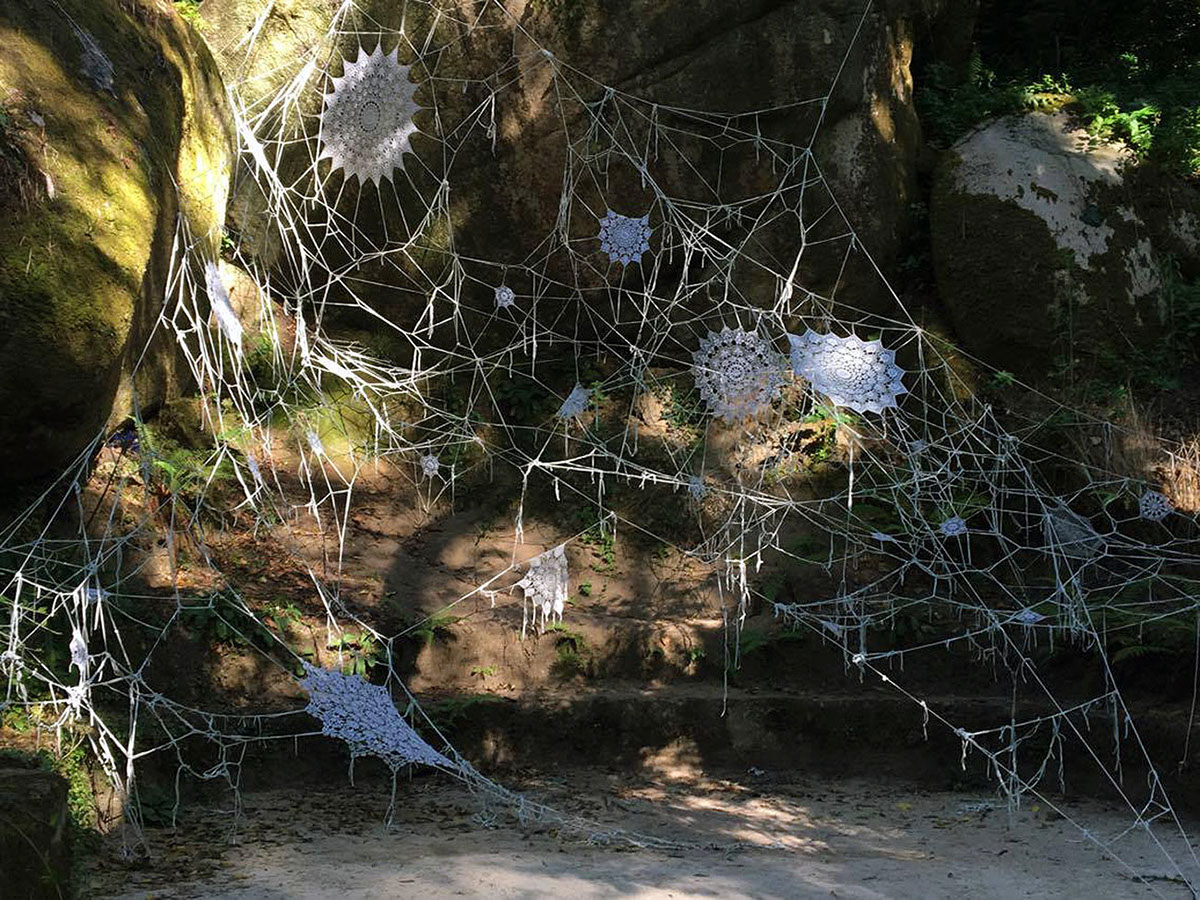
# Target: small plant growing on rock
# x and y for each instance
(572, 650)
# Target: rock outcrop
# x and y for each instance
(766, 62)
(1049, 248)
(114, 124)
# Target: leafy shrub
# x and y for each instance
(950, 106)
(358, 652)
(1157, 116)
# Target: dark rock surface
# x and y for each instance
(33, 820)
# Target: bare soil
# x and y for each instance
(626, 717)
(767, 835)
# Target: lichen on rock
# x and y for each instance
(1043, 254)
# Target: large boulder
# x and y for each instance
(1049, 247)
(113, 125)
(735, 58)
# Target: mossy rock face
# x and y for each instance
(1048, 255)
(504, 192)
(119, 110)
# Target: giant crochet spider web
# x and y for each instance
(421, 324)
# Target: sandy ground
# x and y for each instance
(775, 837)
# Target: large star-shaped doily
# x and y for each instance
(624, 238)
(857, 374)
(367, 121)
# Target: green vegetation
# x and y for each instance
(521, 399)
(951, 105)
(74, 766)
(1129, 635)
(438, 624)
(1136, 82)
(179, 474)
(358, 652)
(259, 356)
(756, 640)
(184, 473)
(1003, 379)
(452, 712)
(682, 407)
(1181, 298)
(567, 13)
(20, 183)
(71, 764)
(283, 616)
(823, 440)
(831, 416)
(574, 656)
(600, 538)
(772, 584)
(808, 548)
(1159, 367)
(189, 11)
(221, 620)
(157, 805)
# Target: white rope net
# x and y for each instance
(689, 255)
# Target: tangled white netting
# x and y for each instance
(587, 379)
